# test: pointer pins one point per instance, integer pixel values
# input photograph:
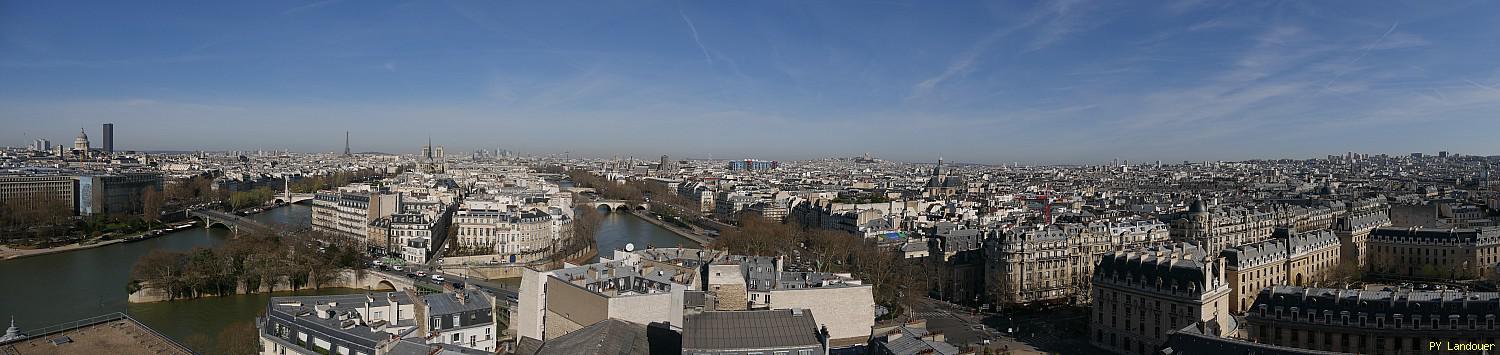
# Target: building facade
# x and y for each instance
(512, 235)
(40, 191)
(1290, 258)
(1453, 253)
(1142, 295)
(1374, 322)
(1055, 264)
(350, 211)
(1354, 227)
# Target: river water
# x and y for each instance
(50, 289)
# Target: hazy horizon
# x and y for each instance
(1065, 82)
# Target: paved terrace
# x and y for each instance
(115, 334)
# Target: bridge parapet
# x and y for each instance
(615, 204)
(229, 220)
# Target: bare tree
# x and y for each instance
(151, 201)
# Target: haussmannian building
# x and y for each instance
(1373, 322)
(1054, 264)
(349, 211)
(1289, 258)
(512, 234)
(1354, 227)
(1451, 253)
(1140, 296)
(1218, 227)
(1222, 227)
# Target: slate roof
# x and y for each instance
(1480, 304)
(749, 330)
(447, 303)
(911, 343)
(606, 337)
(1190, 341)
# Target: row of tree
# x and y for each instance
(257, 197)
(314, 183)
(251, 260)
(40, 219)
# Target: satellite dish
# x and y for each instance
(629, 246)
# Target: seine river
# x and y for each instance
(50, 289)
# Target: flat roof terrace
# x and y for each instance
(108, 334)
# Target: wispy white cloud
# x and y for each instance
(309, 7)
(1052, 22)
(694, 30)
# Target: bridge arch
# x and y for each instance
(385, 285)
(604, 206)
(210, 223)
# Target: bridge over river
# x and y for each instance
(231, 221)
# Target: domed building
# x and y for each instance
(82, 142)
(940, 185)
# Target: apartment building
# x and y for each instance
(1055, 264)
(1288, 258)
(1373, 322)
(459, 322)
(1142, 295)
(1354, 227)
(349, 211)
(1450, 253)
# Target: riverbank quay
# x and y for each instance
(347, 278)
(9, 252)
(699, 238)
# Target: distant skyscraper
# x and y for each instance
(109, 138)
(346, 144)
(664, 165)
(41, 145)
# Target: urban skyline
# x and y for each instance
(782, 177)
(987, 83)
(107, 129)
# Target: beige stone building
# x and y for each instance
(1142, 295)
(1054, 264)
(1218, 227)
(1288, 258)
(1453, 253)
(1221, 227)
(1354, 227)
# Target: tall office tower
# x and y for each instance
(109, 138)
(346, 144)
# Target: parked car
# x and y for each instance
(421, 273)
(438, 278)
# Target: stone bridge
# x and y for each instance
(231, 221)
(293, 197)
(615, 205)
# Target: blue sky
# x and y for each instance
(1034, 82)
